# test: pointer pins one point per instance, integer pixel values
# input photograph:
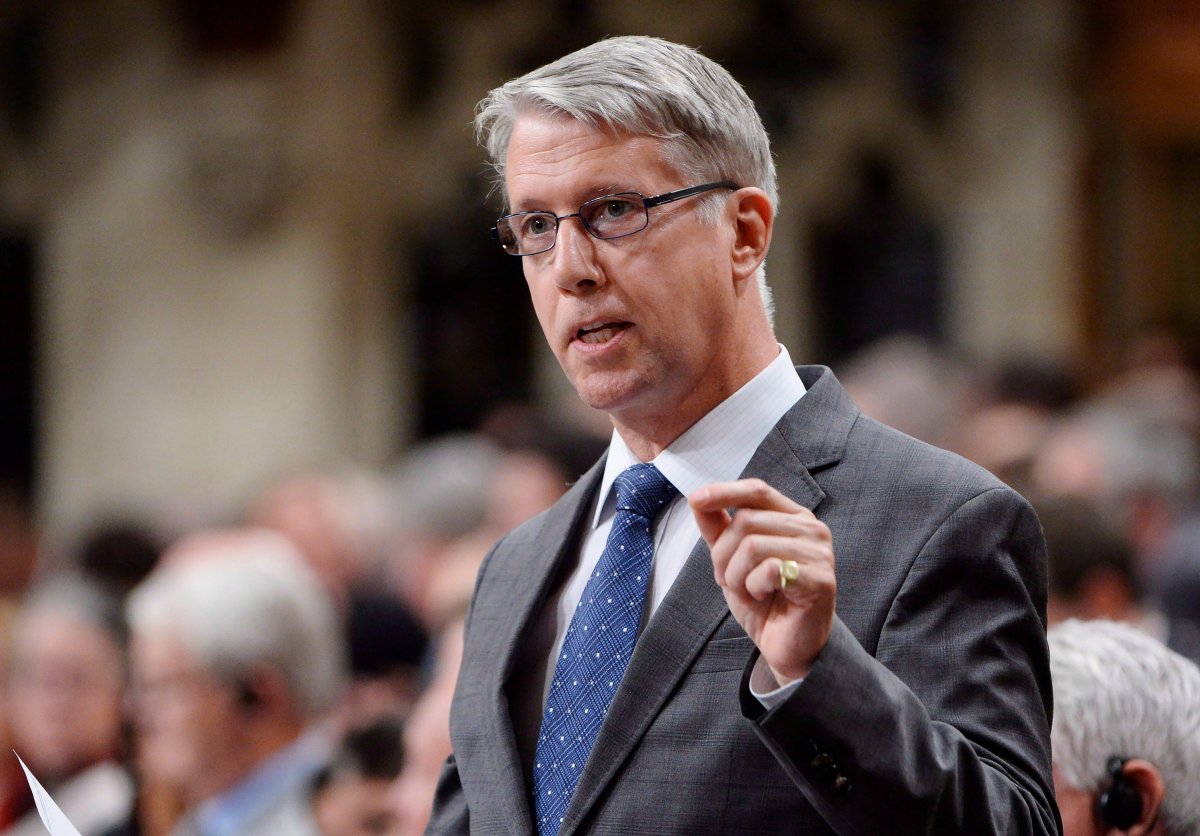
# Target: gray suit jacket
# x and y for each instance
(927, 712)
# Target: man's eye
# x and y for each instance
(535, 225)
(616, 208)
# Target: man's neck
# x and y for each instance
(648, 433)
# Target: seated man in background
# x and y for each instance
(237, 657)
(64, 687)
(350, 796)
(1126, 734)
(1090, 564)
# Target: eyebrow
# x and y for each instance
(591, 193)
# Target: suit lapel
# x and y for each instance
(555, 543)
(810, 436)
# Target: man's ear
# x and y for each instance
(262, 688)
(1145, 780)
(754, 220)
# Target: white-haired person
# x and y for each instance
(1126, 734)
(237, 657)
(63, 691)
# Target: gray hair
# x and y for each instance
(79, 598)
(645, 86)
(242, 599)
(1119, 692)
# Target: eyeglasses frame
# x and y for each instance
(647, 204)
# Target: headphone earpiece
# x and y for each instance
(1120, 805)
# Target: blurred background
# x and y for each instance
(245, 275)
(239, 237)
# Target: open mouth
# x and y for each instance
(600, 332)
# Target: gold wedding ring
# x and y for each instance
(789, 570)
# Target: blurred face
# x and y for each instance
(427, 738)
(355, 806)
(188, 721)
(426, 747)
(64, 691)
(643, 326)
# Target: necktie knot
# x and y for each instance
(643, 490)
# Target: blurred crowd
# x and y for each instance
(290, 669)
(286, 670)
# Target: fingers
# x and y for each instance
(744, 493)
(766, 528)
(755, 566)
(753, 536)
(709, 504)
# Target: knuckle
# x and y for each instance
(759, 489)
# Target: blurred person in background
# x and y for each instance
(1179, 588)
(1130, 455)
(118, 554)
(439, 493)
(1090, 565)
(1015, 406)
(237, 659)
(456, 496)
(427, 736)
(337, 519)
(1126, 733)
(350, 796)
(64, 689)
(907, 383)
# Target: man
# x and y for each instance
(237, 656)
(838, 630)
(1126, 732)
(63, 693)
(351, 795)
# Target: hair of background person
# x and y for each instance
(78, 597)
(245, 603)
(1079, 540)
(374, 752)
(1120, 692)
(642, 86)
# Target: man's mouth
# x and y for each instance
(600, 332)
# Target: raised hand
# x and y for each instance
(774, 561)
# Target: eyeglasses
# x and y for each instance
(606, 217)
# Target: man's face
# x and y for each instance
(187, 720)
(644, 326)
(65, 686)
(355, 806)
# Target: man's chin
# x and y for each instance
(609, 392)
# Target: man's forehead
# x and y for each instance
(553, 152)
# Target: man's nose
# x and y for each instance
(573, 259)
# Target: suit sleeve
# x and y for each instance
(946, 727)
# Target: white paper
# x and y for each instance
(54, 819)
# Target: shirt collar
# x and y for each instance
(718, 447)
(232, 811)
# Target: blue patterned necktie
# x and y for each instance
(598, 644)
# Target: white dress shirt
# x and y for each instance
(716, 448)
